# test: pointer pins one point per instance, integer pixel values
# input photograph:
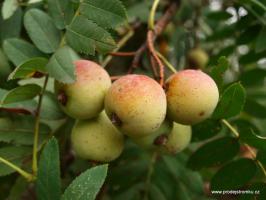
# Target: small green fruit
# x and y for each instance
(157, 138)
(97, 139)
(197, 58)
(178, 139)
(136, 104)
(192, 96)
(169, 138)
(84, 99)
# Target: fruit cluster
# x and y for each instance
(136, 106)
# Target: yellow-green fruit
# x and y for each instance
(84, 99)
(192, 96)
(97, 139)
(169, 138)
(197, 58)
(136, 104)
(178, 139)
(157, 138)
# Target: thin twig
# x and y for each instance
(123, 53)
(152, 14)
(166, 62)
(236, 134)
(37, 127)
(153, 66)
(26, 175)
(231, 128)
(158, 29)
(120, 44)
(154, 54)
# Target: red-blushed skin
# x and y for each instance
(192, 96)
(84, 99)
(138, 104)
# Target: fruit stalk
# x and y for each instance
(23, 173)
(36, 129)
(236, 134)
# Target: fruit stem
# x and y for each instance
(120, 44)
(232, 129)
(36, 129)
(166, 62)
(152, 14)
(149, 174)
(236, 134)
(29, 177)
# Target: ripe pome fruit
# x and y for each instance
(84, 98)
(97, 139)
(136, 104)
(197, 58)
(192, 96)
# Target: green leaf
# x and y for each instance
(12, 26)
(248, 135)
(14, 154)
(190, 179)
(219, 15)
(155, 193)
(261, 41)
(29, 68)
(61, 65)
(255, 109)
(206, 129)
(5, 68)
(261, 156)
(42, 30)
(105, 13)
(251, 57)
(248, 35)
(218, 71)
(61, 11)
(253, 76)
(48, 179)
(227, 31)
(214, 153)
(50, 108)
(87, 185)
(19, 130)
(85, 36)
(9, 8)
(234, 175)
(231, 102)
(18, 188)
(259, 192)
(19, 51)
(21, 93)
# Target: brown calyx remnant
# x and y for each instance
(116, 120)
(160, 140)
(38, 74)
(62, 98)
